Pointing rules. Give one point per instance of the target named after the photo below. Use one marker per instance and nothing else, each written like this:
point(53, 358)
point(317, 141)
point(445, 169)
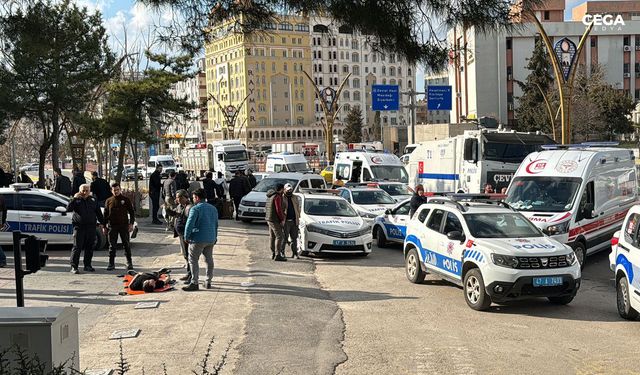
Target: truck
point(467, 163)
point(290, 147)
point(219, 156)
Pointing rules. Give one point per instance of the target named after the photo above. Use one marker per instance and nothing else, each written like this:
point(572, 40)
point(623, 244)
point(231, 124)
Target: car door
point(396, 222)
point(38, 216)
point(451, 249)
point(13, 218)
point(629, 254)
point(431, 238)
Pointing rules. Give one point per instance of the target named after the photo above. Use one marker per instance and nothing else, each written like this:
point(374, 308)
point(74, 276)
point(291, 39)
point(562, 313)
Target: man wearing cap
point(180, 214)
point(275, 217)
point(119, 216)
point(292, 219)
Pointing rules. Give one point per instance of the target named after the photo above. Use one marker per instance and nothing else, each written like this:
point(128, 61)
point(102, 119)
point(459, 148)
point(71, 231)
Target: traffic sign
point(385, 98)
point(439, 98)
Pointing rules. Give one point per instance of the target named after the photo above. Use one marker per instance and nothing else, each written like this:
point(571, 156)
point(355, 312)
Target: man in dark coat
point(24, 178)
point(3, 179)
point(120, 217)
point(182, 181)
point(238, 188)
point(78, 179)
point(86, 214)
point(61, 183)
point(155, 187)
point(100, 188)
point(209, 187)
point(252, 179)
point(417, 200)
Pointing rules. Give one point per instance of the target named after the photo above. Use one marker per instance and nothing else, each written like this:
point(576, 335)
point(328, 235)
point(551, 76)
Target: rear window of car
point(9, 200)
point(631, 229)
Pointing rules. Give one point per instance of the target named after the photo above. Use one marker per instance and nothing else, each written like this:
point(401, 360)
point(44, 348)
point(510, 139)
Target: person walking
point(292, 219)
point(119, 216)
point(78, 179)
point(61, 183)
point(275, 217)
point(417, 200)
point(201, 233)
point(238, 188)
point(180, 215)
point(100, 189)
point(3, 228)
point(86, 214)
point(155, 186)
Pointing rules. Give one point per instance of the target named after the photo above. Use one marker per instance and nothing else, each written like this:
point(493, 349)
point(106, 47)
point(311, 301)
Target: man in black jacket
point(86, 214)
point(238, 188)
point(209, 188)
point(417, 200)
point(155, 186)
point(100, 188)
point(78, 179)
point(61, 183)
point(252, 179)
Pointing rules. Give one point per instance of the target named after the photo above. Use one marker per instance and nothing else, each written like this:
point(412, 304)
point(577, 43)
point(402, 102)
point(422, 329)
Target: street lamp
point(329, 102)
point(230, 113)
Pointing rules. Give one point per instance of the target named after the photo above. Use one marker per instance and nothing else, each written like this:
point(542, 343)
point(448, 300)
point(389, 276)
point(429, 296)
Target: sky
point(138, 20)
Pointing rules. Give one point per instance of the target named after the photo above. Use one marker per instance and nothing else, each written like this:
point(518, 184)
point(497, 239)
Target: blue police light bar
point(581, 145)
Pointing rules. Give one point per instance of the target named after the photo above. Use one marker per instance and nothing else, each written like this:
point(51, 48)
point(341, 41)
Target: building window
point(355, 57)
point(284, 53)
point(509, 43)
point(300, 121)
point(594, 41)
point(356, 70)
point(392, 71)
point(637, 94)
point(384, 69)
point(285, 26)
point(626, 40)
point(356, 95)
point(625, 68)
point(345, 95)
point(345, 69)
point(285, 68)
point(299, 107)
point(355, 83)
point(546, 15)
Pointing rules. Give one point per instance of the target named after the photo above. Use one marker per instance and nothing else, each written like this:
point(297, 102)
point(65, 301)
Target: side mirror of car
point(61, 210)
point(387, 212)
point(587, 211)
point(455, 236)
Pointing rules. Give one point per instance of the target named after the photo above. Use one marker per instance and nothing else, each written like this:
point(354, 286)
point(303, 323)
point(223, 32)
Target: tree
point(376, 129)
point(353, 128)
point(409, 28)
point(532, 112)
point(616, 108)
point(55, 54)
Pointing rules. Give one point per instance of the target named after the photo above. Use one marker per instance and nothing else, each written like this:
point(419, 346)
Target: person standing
point(119, 216)
point(292, 219)
point(3, 179)
point(61, 183)
point(182, 180)
point(86, 214)
point(238, 188)
point(78, 179)
point(155, 186)
point(201, 233)
point(180, 215)
point(24, 178)
point(252, 179)
point(3, 223)
point(222, 188)
point(100, 188)
point(169, 194)
point(417, 200)
point(209, 188)
point(274, 215)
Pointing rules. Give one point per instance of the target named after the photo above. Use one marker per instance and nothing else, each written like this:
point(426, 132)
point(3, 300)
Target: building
point(484, 68)
point(337, 51)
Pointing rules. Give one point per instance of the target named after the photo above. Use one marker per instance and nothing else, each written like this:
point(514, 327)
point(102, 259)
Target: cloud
point(142, 17)
point(94, 5)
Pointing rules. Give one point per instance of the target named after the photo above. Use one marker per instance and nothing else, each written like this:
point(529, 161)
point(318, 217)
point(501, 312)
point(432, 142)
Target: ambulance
point(363, 166)
point(577, 194)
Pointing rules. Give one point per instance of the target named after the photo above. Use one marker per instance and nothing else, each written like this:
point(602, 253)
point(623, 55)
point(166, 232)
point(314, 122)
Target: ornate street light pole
point(230, 113)
point(329, 99)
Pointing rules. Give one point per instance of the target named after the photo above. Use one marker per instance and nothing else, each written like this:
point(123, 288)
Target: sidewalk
point(177, 332)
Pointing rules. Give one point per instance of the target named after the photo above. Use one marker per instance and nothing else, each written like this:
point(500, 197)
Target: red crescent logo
point(536, 166)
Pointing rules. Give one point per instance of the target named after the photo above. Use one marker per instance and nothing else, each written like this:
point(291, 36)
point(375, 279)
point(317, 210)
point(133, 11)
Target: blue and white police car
point(368, 201)
point(392, 225)
point(42, 213)
point(625, 262)
point(491, 250)
point(328, 224)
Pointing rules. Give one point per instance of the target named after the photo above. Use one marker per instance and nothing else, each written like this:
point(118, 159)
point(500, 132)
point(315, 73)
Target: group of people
point(283, 217)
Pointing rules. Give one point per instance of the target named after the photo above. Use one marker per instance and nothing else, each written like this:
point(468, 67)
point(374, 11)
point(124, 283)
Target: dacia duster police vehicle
point(493, 251)
point(625, 263)
point(392, 225)
point(328, 224)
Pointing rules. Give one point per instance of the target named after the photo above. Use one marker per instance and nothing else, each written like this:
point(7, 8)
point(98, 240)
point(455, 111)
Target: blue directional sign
point(385, 98)
point(439, 98)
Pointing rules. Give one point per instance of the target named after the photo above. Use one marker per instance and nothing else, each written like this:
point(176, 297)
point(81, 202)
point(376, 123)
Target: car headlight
point(556, 229)
point(317, 229)
point(367, 215)
point(504, 260)
point(571, 258)
point(365, 230)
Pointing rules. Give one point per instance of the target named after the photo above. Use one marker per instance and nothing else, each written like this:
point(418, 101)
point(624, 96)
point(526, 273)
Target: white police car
point(625, 262)
point(42, 213)
point(392, 225)
point(328, 224)
point(397, 190)
point(493, 251)
point(369, 202)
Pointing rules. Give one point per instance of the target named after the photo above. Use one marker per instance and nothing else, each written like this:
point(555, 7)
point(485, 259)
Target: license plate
point(547, 281)
point(255, 210)
point(344, 243)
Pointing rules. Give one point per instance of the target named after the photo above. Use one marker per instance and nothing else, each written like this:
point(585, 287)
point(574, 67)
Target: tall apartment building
point(261, 75)
point(338, 50)
point(192, 129)
point(484, 68)
point(437, 116)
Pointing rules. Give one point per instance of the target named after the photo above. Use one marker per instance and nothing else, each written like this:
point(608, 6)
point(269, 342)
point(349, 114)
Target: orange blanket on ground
point(163, 277)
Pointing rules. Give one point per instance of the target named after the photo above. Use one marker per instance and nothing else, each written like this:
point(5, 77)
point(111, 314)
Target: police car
point(42, 213)
point(392, 225)
point(328, 224)
point(368, 201)
point(491, 250)
point(397, 190)
point(625, 262)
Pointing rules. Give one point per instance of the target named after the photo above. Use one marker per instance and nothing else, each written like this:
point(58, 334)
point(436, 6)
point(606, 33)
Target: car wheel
point(414, 272)
point(474, 291)
point(564, 300)
point(381, 238)
point(247, 220)
point(624, 300)
point(581, 253)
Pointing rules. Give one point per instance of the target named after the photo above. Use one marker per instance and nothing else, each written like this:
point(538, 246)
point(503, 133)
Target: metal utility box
point(50, 333)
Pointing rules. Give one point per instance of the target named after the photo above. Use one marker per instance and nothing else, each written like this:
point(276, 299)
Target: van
point(576, 194)
point(287, 163)
point(363, 166)
point(166, 161)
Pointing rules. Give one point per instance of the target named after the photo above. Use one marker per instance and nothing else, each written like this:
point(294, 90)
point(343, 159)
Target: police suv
point(493, 251)
point(42, 213)
point(625, 262)
point(392, 225)
point(328, 224)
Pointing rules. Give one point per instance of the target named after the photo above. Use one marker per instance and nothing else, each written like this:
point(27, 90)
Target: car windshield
point(508, 152)
point(328, 207)
point(296, 167)
point(501, 225)
point(235, 156)
point(396, 189)
point(543, 194)
point(390, 172)
point(371, 197)
point(167, 163)
point(270, 183)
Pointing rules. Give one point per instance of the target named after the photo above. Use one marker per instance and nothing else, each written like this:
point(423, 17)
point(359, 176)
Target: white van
point(167, 162)
point(578, 195)
point(362, 166)
point(286, 162)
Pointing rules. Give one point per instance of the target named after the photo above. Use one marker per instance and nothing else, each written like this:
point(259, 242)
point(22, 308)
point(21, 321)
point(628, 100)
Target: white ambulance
point(577, 194)
point(363, 166)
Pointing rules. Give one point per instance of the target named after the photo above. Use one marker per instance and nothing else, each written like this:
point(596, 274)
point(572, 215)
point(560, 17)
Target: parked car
point(392, 225)
point(625, 263)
